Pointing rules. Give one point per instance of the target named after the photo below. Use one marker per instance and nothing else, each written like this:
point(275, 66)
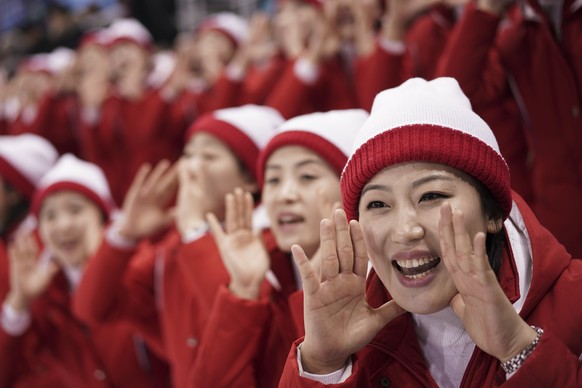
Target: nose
point(407, 228)
point(64, 222)
point(289, 191)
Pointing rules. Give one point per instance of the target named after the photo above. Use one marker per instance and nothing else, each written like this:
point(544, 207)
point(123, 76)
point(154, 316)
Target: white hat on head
point(60, 59)
point(430, 121)
point(24, 159)
point(245, 130)
point(233, 26)
point(129, 30)
point(329, 134)
point(71, 173)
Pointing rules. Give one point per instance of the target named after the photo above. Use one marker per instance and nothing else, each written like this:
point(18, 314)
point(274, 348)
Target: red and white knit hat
point(428, 121)
point(129, 30)
point(71, 173)
point(24, 159)
point(234, 27)
point(245, 130)
point(329, 134)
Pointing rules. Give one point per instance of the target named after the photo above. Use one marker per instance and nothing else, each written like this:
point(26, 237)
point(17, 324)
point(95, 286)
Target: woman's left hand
point(487, 314)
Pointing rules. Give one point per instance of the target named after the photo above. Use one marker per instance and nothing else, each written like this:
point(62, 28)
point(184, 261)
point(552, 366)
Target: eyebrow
point(297, 165)
point(415, 184)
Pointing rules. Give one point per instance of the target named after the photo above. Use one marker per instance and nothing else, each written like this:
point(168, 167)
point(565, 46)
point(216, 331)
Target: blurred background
point(36, 26)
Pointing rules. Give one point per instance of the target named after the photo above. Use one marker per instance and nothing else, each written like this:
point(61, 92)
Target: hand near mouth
point(241, 248)
point(338, 320)
point(487, 314)
point(28, 277)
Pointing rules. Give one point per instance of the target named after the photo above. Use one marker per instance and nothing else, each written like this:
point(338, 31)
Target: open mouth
point(417, 268)
point(290, 219)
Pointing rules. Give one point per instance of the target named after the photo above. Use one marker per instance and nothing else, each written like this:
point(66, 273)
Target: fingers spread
point(360, 251)
point(308, 277)
point(329, 259)
point(345, 250)
point(215, 227)
point(447, 238)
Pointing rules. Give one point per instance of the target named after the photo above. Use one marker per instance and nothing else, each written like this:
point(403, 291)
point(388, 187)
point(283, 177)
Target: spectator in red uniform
point(72, 204)
point(461, 266)
point(258, 310)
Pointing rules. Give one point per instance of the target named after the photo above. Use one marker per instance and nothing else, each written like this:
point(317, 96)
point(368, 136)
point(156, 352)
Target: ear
point(494, 225)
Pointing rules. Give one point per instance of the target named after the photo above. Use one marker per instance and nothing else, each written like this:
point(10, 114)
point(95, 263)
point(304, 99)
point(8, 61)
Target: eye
point(208, 157)
point(271, 181)
point(308, 177)
point(75, 209)
point(432, 196)
point(376, 205)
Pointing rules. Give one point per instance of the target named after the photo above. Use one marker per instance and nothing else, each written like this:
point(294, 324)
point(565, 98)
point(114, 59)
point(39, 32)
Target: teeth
point(414, 263)
point(421, 275)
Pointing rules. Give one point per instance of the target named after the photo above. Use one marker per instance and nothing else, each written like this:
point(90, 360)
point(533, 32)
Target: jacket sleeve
point(551, 364)
point(230, 342)
point(291, 377)
point(119, 285)
point(291, 96)
point(382, 69)
point(471, 58)
point(11, 355)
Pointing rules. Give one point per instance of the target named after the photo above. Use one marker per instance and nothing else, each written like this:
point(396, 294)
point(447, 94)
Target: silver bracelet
point(516, 361)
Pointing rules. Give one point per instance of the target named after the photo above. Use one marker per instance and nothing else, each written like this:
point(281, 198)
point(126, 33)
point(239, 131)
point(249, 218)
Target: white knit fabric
point(31, 155)
point(228, 23)
point(417, 101)
point(130, 29)
point(71, 169)
point(259, 123)
point(60, 59)
point(337, 126)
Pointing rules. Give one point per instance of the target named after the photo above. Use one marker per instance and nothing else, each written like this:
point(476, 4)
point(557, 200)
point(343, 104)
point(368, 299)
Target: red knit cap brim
point(240, 144)
point(16, 179)
point(323, 148)
point(426, 143)
point(42, 194)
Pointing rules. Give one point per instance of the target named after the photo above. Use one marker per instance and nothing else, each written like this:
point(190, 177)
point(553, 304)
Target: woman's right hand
point(338, 320)
point(241, 248)
point(28, 278)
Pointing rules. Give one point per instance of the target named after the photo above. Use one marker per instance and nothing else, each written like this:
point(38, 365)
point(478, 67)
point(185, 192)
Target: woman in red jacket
point(72, 204)
point(467, 289)
point(165, 289)
point(299, 170)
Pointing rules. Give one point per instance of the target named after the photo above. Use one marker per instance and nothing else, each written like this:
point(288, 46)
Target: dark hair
point(16, 212)
point(495, 242)
point(247, 173)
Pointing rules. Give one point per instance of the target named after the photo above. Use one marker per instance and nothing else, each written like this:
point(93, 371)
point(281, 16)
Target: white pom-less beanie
point(234, 27)
point(245, 130)
point(329, 134)
point(24, 159)
point(430, 121)
point(71, 173)
point(129, 30)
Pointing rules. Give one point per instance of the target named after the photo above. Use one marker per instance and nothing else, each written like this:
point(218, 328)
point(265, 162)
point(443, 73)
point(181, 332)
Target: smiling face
point(399, 211)
point(294, 178)
point(71, 227)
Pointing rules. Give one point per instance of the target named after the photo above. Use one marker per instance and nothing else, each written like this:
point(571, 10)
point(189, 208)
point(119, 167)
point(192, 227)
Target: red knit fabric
point(428, 143)
point(242, 146)
point(40, 195)
point(15, 178)
point(329, 152)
